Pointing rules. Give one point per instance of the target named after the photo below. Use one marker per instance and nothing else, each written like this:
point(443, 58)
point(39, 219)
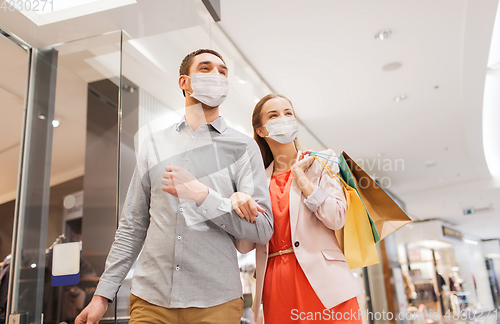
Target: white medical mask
point(283, 130)
point(209, 88)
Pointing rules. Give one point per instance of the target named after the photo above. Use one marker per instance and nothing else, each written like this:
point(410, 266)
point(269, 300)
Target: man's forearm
point(220, 211)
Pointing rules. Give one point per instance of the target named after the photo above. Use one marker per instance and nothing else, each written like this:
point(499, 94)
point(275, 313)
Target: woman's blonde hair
point(265, 150)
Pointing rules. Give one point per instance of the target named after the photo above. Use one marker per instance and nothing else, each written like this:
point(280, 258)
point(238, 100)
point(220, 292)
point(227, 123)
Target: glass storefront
point(14, 67)
point(445, 272)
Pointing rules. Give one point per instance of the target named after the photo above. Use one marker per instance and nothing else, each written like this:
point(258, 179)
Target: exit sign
point(469, 211)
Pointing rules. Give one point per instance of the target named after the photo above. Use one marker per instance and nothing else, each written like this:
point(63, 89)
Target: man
point(178, 206)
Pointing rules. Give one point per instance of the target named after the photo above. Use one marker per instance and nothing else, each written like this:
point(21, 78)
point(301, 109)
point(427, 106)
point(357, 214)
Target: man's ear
point(183, 82)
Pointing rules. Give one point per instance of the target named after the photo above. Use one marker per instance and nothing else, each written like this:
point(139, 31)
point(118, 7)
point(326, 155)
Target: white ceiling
point(324, 57)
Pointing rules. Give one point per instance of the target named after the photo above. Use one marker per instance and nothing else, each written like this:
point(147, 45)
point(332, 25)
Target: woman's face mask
point(209, 88)
point(283, 130)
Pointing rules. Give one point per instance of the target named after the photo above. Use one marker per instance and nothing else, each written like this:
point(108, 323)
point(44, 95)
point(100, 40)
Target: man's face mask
point(209, 88)
point(283, 130)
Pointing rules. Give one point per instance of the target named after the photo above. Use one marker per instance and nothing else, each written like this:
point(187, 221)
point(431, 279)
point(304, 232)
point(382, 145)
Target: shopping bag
point(385, 215)
point(355, 238)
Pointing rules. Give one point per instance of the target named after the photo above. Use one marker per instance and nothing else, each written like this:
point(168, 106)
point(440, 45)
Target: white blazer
point(315, 245)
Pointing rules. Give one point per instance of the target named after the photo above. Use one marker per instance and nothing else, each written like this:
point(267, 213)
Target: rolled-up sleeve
point(315, 199)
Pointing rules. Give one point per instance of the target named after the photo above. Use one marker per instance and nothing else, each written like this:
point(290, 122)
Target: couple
point(199, 190)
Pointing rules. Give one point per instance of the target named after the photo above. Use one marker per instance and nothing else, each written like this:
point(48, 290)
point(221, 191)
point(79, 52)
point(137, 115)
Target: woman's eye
point(289, 114)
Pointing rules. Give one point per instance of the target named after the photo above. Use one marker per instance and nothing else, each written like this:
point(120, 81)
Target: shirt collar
point(219, 124)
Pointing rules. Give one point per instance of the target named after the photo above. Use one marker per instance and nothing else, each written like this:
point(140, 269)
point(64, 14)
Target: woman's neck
point(284, 155)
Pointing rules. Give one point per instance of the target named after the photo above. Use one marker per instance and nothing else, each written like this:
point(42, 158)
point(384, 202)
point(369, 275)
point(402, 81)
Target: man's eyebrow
point(222, 66)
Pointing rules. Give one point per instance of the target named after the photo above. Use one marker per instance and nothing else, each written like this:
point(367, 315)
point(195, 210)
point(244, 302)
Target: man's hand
point(181, 183)
point(245, 206)
point(94, 311)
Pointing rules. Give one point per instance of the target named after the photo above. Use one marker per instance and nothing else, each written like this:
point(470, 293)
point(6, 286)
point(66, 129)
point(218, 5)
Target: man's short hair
point(188, 61)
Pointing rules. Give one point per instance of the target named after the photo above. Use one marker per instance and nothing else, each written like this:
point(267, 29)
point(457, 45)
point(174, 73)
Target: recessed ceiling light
point(41, 116)
point(242, 81)
point(429, 163)
point(56, 123)
point(383, 34)
point(400, 98)
point(391, 66)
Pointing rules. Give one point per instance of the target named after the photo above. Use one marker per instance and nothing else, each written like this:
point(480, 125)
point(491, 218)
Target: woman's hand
point(302, 154)
point(245, 206)
point(305, 185)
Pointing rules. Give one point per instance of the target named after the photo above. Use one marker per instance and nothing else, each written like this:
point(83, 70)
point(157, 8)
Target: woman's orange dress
point(287, 296)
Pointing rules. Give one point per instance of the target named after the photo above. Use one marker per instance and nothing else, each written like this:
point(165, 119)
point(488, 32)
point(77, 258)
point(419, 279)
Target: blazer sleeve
point(329, 195)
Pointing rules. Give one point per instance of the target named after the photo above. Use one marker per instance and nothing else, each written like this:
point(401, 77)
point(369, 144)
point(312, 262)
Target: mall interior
point(409, 89)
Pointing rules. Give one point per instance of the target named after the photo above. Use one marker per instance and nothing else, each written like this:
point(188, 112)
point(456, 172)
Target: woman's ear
point(260, 132)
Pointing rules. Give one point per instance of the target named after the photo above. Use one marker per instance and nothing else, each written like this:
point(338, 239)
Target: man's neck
point(198, 114)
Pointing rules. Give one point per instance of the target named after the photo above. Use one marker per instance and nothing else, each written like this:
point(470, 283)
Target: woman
point(302, 275)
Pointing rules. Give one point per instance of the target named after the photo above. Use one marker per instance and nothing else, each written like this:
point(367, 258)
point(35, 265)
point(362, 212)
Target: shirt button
point(204, 211)
point(179, 237)
point(297, 243)
point(192, 137)
point(223, 226)
point(177, 268)
point(181, 209)
point(187, 159)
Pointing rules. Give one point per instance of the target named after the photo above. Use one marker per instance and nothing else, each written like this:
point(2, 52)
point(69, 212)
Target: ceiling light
point(491, 102)
point(494, 67)
point(429, 163)
point(391, 66)
point(471, 242)
point(242, 81)
point(383, 34)
point(56, 123)
point(400, 98)
point(431, 244)
point(55, 11)
point(41, 116)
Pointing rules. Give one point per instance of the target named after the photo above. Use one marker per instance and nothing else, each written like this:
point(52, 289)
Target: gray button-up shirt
point(189, 258)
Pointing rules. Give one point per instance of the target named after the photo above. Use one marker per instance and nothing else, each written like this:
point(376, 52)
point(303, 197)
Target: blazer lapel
point(294, 203)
